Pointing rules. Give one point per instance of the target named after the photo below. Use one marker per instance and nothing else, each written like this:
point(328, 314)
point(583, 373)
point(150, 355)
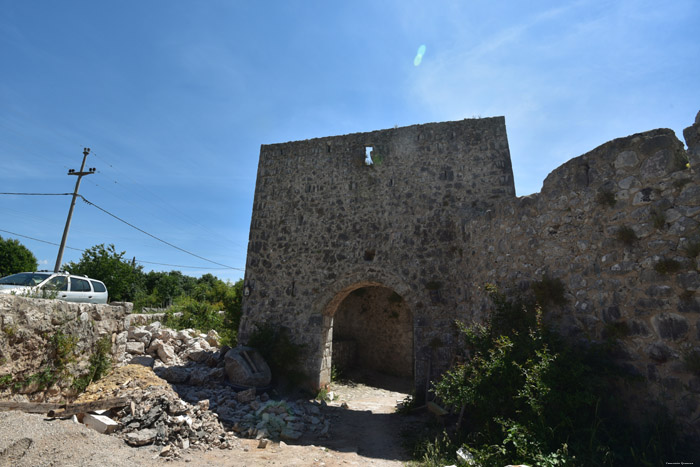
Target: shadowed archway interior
point(373, 330)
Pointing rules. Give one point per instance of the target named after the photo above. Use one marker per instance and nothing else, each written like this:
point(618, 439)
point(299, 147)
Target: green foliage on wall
point(626, 235)
point(530, 398)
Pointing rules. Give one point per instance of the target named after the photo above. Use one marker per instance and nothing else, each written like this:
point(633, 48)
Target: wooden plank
point(29, 407)
point(83, 407)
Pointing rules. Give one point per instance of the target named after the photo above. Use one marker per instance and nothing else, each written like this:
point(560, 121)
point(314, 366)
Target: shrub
point(605, 198)
point(667, 266)
point(626, 235)
point(281, 354)
point(533, 399)
point(100, 363)
point(692, 248)
point(658, 218)
point(549, 291)
point(198, 315)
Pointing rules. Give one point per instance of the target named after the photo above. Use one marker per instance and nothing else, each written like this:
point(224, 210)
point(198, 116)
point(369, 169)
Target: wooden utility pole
point(80, 174)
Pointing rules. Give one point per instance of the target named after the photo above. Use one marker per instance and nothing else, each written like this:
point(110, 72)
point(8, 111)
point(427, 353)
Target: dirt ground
point(365, 430)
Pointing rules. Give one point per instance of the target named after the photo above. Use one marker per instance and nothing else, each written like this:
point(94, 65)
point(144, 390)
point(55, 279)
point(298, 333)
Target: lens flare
point(419, 56)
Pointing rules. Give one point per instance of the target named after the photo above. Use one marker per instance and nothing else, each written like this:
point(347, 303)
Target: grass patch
point(5, 381)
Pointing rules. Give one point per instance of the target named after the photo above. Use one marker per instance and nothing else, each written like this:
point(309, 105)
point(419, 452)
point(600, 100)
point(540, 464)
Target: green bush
point(281, 354)
point(626, 235)
point(692, 248)
point(100, 363)
point(658, 218)
point(667, 266)
point(202, 316)
point(549, 291)
point(605, 198)
point(530, 398)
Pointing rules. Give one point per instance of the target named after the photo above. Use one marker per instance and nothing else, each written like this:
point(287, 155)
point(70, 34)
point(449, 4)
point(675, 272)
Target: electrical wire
point(154, 237)
point(180, 266)
point(129, 224)
point(39, 240)
point(138, 260)
point(38, 194)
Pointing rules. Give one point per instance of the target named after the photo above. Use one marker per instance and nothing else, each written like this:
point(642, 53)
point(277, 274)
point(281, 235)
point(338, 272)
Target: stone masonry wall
point(436, 218)
point(28, 324)
point(615, 284)
point(325, 224)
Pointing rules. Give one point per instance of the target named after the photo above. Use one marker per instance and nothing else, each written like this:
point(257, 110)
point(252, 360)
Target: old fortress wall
point(374, 263)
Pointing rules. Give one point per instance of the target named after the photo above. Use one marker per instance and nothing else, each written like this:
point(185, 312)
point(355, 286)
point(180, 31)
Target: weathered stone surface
point(436, 218)
point(670, 325)
point(166, 353)
point(173, 374)
point(246, 367)
point(28, 324)
point(659, 352)
point(142, 437)
point(135, 347)
point(144, 360)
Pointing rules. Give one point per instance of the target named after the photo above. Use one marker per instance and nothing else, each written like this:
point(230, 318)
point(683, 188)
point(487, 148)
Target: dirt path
point(365, 430)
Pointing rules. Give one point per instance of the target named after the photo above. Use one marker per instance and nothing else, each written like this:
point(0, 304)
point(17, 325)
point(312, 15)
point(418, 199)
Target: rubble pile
point(181, 397)
point(156, 414)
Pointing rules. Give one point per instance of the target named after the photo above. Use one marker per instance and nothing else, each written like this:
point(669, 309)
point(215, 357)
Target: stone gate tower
point(357, 242)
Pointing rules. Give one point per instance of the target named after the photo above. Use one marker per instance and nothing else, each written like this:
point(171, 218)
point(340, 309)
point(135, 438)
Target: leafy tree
point(15, 257)
point(123, 280)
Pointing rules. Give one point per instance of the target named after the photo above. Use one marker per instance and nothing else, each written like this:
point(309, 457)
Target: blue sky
point(175, 97)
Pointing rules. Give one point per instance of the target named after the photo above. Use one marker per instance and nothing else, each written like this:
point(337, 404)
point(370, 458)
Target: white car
point(60, 285)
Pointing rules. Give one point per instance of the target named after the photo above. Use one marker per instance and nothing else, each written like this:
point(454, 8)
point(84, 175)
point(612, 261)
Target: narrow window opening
point(368, 155)
point(369, 255)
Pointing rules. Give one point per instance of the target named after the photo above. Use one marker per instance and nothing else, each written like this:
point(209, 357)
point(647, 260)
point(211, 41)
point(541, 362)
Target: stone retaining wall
point(27, 326)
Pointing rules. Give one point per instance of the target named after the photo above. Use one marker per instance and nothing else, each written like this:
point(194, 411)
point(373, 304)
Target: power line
point(138, 260)
point(38, 194)
point(165, 203)
point(181, 266)
point(153, 236)
point(38, 240)
point(130, 225)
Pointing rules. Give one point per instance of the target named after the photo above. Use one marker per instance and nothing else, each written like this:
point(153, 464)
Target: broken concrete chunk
point(100, 423)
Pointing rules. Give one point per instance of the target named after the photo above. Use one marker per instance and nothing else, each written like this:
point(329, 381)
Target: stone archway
point(373, 329)
point(368, 325)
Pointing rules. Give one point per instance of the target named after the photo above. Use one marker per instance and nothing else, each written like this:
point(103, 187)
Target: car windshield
point(25, 278)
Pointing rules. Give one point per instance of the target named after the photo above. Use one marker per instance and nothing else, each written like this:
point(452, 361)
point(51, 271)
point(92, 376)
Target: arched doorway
point(370, 331)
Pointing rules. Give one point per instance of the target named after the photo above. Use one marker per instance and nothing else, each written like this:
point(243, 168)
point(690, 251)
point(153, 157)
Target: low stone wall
point(28, 325)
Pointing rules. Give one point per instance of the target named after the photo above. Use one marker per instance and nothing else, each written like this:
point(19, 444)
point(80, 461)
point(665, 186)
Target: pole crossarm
point(80, 174)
